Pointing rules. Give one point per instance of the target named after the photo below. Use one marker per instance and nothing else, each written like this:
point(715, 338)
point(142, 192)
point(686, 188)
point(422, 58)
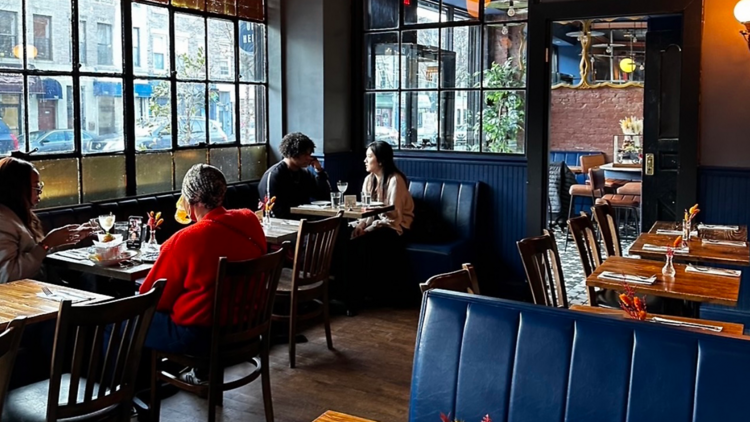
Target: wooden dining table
point(738, 235)
point(353, 213)
point(698, 251)
point(331, 416)
point(694, 287)
point(281, 230)
point(727, 327)
point(22, 298)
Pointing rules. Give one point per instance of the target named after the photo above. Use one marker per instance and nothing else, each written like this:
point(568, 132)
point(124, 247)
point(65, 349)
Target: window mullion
point(128, 97)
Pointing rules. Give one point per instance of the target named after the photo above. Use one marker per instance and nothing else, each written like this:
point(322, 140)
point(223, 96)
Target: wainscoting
point(724, 197)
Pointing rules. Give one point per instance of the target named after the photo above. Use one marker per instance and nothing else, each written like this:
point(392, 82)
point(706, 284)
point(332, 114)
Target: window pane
point(152, 23)
point(185, 159)
point(50, 126)
point(48, 30)
point(225, 7)
point(252, 114)
point(11, 112)
point(463, 10)
point(153, 173)
point(381, 117)
point(190, 4)
point(102, 116)
point(382, 56)
point(503, 124)
point(252, 52)
point(228, 161)
point(421, 11)
point(505, 59)
point(504, 11)
point(419, 58)
point(153, 114)
point(221, 112)
point(250, 9)
point(381, 14)
point(461, 59)
point(253, 162)
point(459, 112)
point(10, 34)
point(191, 113)
point(103, 177)
point(60, 179)
point(102, 34)
point(190, 48)
point(419, 129)
point(220, 50)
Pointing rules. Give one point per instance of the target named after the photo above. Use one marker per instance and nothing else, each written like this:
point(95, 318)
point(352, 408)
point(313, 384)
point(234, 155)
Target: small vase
point(151, 245)
point(668, 269)
point(685, 233)
point(267, 220)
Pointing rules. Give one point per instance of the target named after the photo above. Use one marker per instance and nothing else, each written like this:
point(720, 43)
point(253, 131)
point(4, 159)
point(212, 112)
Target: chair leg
point(327, 319)
point(570, 213)
point(154, 405)
point(215, 392)
point(265, 379)
point(292, 330)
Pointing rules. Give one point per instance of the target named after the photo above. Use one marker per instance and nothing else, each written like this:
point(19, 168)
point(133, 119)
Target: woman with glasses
point(23, 245)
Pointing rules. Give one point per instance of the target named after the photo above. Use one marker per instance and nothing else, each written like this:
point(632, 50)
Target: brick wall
point(586, 119)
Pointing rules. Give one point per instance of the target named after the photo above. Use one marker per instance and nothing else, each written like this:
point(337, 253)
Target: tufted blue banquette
point(444, 226)
point(520, 362)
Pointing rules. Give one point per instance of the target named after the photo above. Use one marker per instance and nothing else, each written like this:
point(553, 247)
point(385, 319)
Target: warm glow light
point(742, 11)
point(30, 51)
point(472, 6)
point(627, 65)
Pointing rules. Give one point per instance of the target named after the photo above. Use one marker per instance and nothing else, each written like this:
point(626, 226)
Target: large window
point(445, 75)
point(103, 123)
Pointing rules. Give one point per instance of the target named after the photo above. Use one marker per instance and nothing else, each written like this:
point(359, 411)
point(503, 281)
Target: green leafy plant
point(503, 116)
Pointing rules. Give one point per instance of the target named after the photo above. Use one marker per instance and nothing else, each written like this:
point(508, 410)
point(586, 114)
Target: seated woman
point(189, 261)
point(23, 246)
point(379, 242)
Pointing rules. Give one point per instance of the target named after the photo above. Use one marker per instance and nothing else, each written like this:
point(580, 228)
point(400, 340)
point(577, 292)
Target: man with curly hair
point(290, 181)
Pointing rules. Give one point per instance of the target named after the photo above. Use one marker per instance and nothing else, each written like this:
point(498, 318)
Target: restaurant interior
point(512, 210)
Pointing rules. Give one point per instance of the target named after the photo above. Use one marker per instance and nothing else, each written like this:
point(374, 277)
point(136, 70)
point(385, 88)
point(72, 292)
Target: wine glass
point(342, 186)
point(107, 222)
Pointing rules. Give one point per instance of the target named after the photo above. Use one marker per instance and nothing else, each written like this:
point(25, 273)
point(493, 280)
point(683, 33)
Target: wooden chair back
point(243, 301)
point(604, 215)
point(102, 376)
point(10, 340)
point(541, 261)
point(314, 250)
point(592, 161)
point(463, 280)
point(598, 182)
point(588, 248)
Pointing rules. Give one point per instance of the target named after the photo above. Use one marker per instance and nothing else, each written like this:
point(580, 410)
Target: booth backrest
point(571, 158)
point(519, 362)
point(453, 202)
point(239, 195)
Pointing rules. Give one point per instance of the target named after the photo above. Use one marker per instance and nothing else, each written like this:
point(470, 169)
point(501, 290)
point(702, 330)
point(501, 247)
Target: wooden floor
point(368, 375)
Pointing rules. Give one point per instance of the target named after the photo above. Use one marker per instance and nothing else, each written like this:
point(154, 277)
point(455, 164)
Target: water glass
point(335, 200)
point(121, 227)
point(366, 199)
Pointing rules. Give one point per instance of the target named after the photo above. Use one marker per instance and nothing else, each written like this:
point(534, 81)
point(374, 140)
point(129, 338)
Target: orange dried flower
point(638, 303)
point(677, 242)
point(642, 315)
point(626, 299)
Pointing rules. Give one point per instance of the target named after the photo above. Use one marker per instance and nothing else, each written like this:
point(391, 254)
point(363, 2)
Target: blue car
point(8, 141)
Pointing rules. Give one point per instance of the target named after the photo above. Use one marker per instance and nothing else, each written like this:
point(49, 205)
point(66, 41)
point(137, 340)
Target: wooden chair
point(605, 218)
point(10, 341)
point(592, 161)
point(464, 280)
point(307, 281)
point(241, 332)
point(541, 261)
point(582, 230)
point(107, 340)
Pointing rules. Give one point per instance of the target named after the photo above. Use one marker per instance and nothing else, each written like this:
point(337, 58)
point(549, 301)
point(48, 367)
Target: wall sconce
point(742, 14)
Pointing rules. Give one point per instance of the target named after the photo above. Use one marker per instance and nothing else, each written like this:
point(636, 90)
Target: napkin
point(629, 278)
point(675, 232)
point(717, 227)
point(724, 242)
point(654, 248)
point(315, 207)
point(714, 271)
point(73, 254)
point(61, 296)
point(676, 323)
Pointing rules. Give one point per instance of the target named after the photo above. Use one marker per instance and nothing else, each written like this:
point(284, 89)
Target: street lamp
point(31, 51)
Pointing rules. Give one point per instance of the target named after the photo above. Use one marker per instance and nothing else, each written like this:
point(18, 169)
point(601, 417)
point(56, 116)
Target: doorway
point(47, 115)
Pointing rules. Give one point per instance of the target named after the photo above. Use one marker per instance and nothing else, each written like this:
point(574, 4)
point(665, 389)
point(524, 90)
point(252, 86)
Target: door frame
point(541, 16)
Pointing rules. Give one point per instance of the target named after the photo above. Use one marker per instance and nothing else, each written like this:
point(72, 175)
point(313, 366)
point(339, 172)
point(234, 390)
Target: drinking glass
point(366, 198)
point(107, 221)
point(335, 200)
point(342, 186)
point(121, 227)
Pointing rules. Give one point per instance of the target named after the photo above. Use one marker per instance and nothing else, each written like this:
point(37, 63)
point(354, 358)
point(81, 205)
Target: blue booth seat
point(572, 159)
point(443, 232)
point(519, 362)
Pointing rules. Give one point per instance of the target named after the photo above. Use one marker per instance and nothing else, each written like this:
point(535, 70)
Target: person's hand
point(316, 165)
point(87, 229)
point(66, 235)
point(358, 231)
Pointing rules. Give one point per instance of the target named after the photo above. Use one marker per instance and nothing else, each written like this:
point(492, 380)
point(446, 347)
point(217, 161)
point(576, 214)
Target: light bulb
point(742, 11)
point(504, 31)
point(511, 12)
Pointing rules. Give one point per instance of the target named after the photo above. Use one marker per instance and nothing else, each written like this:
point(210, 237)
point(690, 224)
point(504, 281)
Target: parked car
point(8, 141)
point(62, 140)
point(386, 134)
point(158, 135)
point(106, 143)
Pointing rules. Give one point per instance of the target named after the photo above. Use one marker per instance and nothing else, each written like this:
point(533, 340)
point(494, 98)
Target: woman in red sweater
point(189, 261)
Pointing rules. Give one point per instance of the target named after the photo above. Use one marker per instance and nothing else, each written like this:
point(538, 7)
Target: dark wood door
point(47, 115)
point(662, 168)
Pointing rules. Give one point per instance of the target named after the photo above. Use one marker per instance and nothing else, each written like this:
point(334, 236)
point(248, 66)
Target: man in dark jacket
point(290, 181)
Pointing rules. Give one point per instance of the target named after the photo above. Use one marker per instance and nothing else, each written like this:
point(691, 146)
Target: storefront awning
point(52, 90)
point(13, 84)
point(143, 90)
point(107, 89)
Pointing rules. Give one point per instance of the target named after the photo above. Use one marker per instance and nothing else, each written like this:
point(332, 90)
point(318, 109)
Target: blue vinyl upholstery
point(454, 203)
point(571, 158)
point(519, 362)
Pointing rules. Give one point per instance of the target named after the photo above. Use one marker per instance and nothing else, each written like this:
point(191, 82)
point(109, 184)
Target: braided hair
point(204, 184)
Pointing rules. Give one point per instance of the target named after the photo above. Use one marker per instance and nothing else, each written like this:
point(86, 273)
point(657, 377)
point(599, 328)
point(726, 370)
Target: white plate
point(376, 204)
point(320, 203)
point(126, 255)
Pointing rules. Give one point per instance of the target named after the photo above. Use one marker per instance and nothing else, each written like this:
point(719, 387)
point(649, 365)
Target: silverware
point(709, 269)
point(47, 291)
point(64, 295)
point(687, 324)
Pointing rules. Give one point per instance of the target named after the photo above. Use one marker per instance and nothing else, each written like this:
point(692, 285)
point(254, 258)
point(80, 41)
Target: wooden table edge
point(593, 281)
point(331, 416)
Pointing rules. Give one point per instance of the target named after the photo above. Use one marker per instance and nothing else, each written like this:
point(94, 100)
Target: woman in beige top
point(23, 245)
point(378, 267)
